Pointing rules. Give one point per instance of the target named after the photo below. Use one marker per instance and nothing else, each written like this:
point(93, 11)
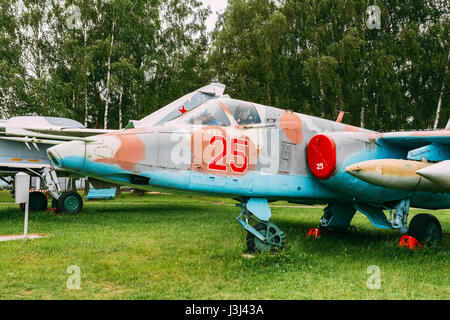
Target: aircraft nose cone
point(68, 155)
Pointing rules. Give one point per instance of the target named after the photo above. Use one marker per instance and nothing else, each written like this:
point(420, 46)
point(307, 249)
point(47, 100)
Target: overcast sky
point(216, 5)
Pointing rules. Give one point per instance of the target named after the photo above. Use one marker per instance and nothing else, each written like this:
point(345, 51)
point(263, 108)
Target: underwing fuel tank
point(394, 174)
point(439, 173)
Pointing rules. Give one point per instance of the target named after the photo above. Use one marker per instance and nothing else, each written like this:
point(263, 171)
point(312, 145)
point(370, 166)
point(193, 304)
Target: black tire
point(38, 201)
point(426, 228)
point(55, 205)
point(251, 237)
point(70, 202)
point(272, 229)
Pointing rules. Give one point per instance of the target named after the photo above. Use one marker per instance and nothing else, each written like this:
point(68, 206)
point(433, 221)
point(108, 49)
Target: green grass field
point(189, 246)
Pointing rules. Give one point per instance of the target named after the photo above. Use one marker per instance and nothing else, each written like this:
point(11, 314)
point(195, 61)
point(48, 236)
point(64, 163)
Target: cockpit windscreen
point(243, 112)
point(208, 114)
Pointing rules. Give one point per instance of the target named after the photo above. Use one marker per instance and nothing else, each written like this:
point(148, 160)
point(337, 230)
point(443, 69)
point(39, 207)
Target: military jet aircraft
point(24, 142)
point(259, 154)
point(23, 147)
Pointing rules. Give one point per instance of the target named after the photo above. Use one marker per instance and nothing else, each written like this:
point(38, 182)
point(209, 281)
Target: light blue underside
point(252, 185)
point(302, 189)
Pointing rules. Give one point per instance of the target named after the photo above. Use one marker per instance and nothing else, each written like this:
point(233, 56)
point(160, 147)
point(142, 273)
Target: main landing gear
point(424, 229)
point(63, 202)
point(38, 201)
point(264, 236)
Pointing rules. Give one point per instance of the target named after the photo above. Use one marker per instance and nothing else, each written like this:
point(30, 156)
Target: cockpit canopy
point(186, 103)
point(244, 113)
point(211, 114)
point(222, 112)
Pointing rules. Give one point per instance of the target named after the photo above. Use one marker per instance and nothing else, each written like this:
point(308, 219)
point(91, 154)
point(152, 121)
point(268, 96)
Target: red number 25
point(213, 164)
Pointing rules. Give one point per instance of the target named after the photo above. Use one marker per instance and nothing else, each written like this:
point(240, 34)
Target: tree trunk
point(438, 111)
point(120, 107)
point(108, 77)
point(86, 109)
point(73, 98)
point(362, 117)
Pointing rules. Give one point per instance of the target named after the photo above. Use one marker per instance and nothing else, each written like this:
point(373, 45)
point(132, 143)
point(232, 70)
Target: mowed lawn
point(189, 246)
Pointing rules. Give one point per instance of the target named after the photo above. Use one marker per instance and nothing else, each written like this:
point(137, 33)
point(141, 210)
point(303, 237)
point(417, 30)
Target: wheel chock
point(315, 232)
point(51, 211)
point(409, 242)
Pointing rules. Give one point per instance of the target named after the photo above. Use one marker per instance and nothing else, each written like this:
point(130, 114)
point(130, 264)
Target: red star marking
point(182, 110)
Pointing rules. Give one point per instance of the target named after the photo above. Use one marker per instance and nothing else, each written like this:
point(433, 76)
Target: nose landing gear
point(274, 238)
point(264, 236)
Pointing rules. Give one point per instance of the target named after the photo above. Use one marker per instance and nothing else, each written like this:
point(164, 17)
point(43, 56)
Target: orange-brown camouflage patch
point(131, 151)
point(292, 127)
point(349, 128)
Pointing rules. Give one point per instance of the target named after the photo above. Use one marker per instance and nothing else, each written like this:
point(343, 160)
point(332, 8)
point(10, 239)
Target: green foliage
point(125, 59)
point(130, 57)
point(320, 57)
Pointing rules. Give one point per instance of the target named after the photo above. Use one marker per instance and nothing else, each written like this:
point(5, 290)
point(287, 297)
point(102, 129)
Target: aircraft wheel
point(426, 228)
point(38, 201)
point(275, 238)
point(55, 205)
point(70, 202)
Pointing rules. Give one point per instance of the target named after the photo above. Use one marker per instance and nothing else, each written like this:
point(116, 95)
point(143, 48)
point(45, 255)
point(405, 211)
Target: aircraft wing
point(416, 139)
point(35, 126)
point(45, 130)
point(41, 138)
point(70, 132)
point(428, 156)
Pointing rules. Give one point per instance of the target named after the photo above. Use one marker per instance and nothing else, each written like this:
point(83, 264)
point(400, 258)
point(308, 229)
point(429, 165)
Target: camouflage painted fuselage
point(266, 157)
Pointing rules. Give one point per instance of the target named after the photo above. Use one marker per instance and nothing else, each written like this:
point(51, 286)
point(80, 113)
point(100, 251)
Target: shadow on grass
point(366, 243)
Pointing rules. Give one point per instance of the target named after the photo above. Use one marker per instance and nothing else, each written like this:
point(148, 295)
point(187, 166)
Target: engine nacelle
point(329, 153)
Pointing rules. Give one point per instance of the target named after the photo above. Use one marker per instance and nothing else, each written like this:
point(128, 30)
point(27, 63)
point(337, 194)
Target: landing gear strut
point(64, 202)
point(264, 236)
